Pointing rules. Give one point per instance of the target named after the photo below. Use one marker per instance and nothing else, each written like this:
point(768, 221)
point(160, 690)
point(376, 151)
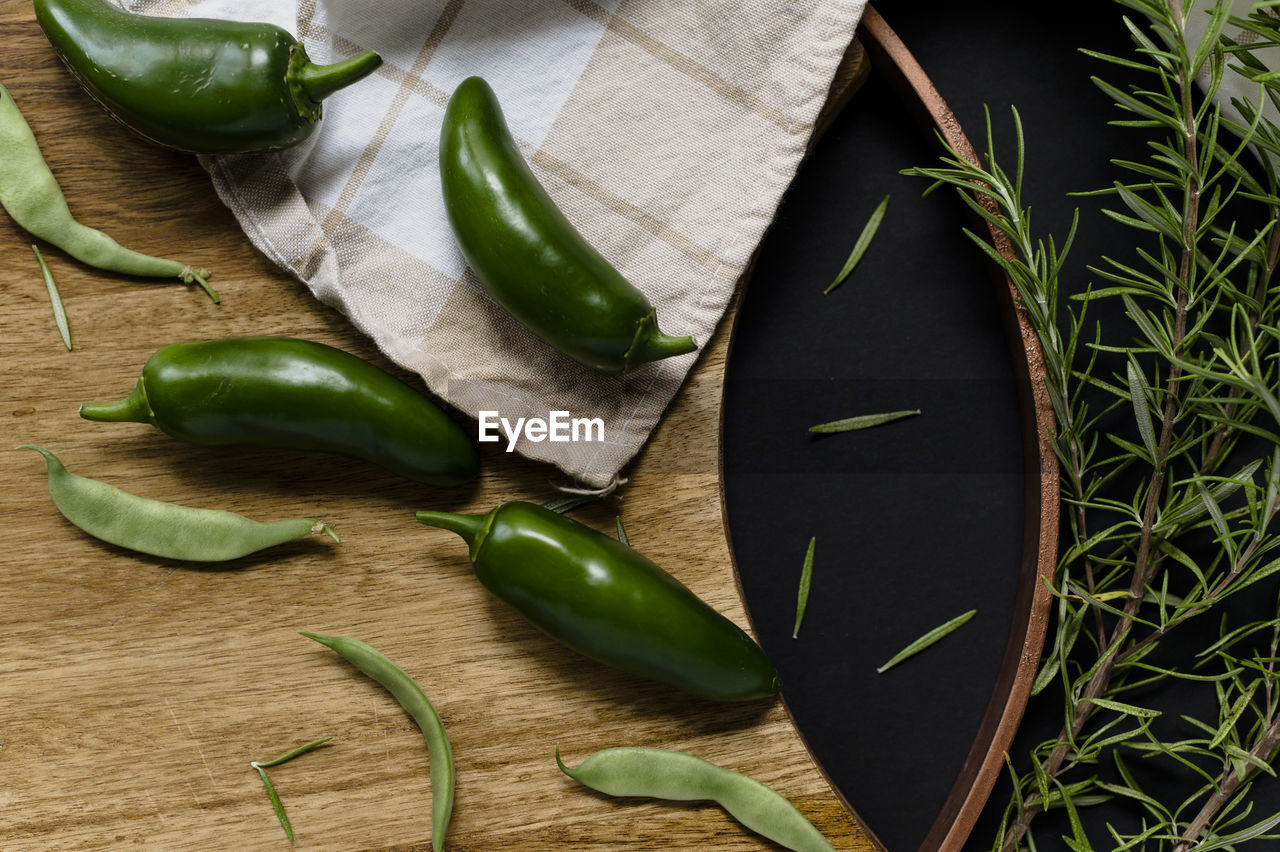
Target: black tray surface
point(920, 520)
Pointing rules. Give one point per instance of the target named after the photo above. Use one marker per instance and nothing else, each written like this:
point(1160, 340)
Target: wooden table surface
point(137, 690)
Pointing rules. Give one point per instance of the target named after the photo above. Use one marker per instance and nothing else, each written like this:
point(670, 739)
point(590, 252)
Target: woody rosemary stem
point(1082, 533)
point(1228, 783)
point(1101, 679)
point(1219, 588)
point(1097, 684)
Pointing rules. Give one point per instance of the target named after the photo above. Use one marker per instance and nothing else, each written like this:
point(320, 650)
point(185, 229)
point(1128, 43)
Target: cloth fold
point(666, 131)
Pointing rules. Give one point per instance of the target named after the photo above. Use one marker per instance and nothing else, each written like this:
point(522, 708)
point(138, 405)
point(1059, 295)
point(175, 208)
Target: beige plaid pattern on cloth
point(666, 130)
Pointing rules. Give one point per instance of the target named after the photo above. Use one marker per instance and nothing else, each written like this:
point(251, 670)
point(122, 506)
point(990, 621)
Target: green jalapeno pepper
point(288, 394)
point(605, 600)
point(528, 256)
point(196, 84)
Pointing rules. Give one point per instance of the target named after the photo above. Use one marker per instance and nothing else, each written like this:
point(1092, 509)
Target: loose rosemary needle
point(290, 755)
point(276, 804)
point(806, 577)
point(622, 533)
point(59, 312)
point(569, 502)
point(860, 246)
point(865, 421)
point(927, 639)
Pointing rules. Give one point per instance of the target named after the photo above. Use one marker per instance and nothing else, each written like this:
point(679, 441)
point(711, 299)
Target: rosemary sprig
point(1143, 452)
point(860, 245)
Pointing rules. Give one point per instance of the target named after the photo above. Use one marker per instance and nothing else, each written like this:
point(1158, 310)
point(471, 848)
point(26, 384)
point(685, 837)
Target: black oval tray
point(916, 521)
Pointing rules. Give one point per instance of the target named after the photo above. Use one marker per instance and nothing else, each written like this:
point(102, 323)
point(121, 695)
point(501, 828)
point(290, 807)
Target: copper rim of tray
point(986, 757)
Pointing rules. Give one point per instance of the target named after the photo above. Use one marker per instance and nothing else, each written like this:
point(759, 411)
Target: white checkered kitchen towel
point(666, 130)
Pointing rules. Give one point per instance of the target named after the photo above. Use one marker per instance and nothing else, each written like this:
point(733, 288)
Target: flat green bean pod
point(662, 774)
point(30, 194)
point(164, 529)
point(415, 702)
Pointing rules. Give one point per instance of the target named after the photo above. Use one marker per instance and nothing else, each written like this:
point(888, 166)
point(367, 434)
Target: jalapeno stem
point(132, 409)
point(655, 346)
point(321, 81)
point(472, 528)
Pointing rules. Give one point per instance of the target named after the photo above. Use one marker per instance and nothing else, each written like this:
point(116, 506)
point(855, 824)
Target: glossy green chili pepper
point(528, 256)
point(196, 84)
point(606, 601)
point(288, 394)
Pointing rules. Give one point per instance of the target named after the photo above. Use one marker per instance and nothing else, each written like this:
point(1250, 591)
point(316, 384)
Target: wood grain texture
point(136, 690)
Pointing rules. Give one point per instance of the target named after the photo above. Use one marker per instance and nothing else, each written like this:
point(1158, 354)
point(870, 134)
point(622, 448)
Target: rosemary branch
point(1141, 573)
point(1200, 276)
